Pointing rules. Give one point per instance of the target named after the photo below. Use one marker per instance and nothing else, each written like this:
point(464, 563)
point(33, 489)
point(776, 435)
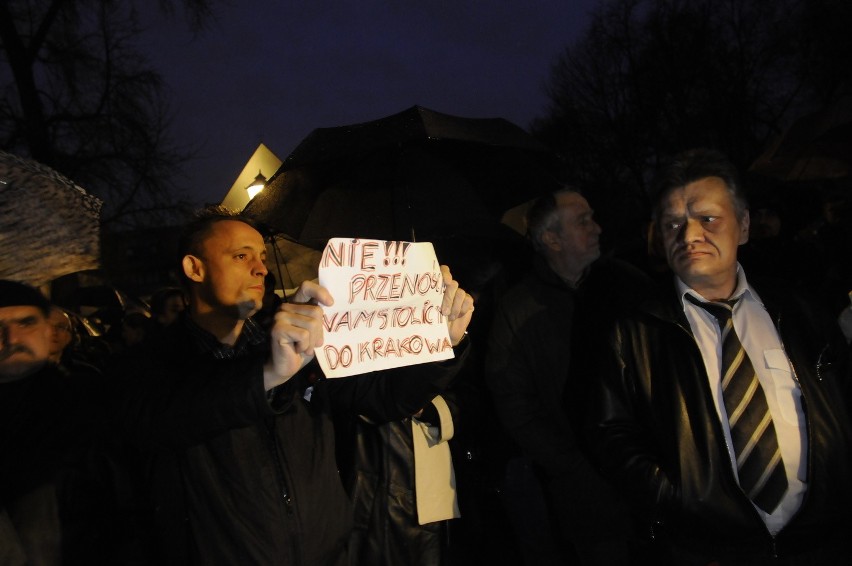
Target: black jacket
point(541, 341)
point(382, 485)
point(54, 504)
point(236, 476)
point(541, 337)
point(658, 436)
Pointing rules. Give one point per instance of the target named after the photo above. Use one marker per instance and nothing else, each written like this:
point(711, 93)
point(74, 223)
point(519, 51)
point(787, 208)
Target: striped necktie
point(759, 464)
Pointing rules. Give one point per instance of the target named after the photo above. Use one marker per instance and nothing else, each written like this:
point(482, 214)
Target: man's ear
point(745, 222)
point(193, 268)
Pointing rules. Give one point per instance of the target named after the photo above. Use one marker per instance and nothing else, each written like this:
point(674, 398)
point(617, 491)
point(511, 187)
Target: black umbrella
point(418, 175)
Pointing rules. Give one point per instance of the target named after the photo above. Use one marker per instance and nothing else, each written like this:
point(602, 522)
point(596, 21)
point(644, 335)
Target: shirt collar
point(251, 335)
point(742, 290)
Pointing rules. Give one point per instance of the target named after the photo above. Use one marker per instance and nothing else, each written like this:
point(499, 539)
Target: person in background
point(235, 429)
point(722, 408)
point(135, 327)
point(62, 333)
point(402, 482)
point(166, 306)
point(52, 507)
point(562, 511)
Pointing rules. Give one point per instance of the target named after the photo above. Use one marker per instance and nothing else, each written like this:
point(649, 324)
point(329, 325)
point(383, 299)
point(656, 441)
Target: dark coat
point(53, 498)
point(538, 348)
point(237, 476)
point(540, 345)
point(658, 436)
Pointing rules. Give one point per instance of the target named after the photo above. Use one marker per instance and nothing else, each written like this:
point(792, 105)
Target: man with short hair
point(722, 410)
point(49, 511)
point(239, 437)
point(558, 505)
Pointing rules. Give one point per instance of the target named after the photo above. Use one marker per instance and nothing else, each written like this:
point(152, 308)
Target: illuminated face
point(60, 333)
point(701, 233)
point(577, 238)
point(229, 270)
point(24, 341)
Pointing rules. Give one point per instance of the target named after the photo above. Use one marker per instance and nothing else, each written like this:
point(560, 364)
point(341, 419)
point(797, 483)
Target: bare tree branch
point(80, 98)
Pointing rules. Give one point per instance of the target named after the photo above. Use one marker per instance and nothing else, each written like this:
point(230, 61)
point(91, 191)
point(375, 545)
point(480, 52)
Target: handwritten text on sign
point(387, 309)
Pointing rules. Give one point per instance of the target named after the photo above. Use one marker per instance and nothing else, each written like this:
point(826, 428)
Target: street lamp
point(256, 186)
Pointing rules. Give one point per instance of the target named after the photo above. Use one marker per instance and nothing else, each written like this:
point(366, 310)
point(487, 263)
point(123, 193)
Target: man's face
point(576, 241)
point(171, 310)
point(230, 270)
point(24, 341)
point(60, 332)
point(701, 233)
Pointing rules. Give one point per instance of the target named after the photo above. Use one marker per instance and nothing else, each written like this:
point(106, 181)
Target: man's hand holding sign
point(296, 333)
point(393, 308)
point(457, 306)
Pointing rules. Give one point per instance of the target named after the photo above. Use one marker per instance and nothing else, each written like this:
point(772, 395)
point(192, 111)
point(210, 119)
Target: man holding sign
point(238, 437)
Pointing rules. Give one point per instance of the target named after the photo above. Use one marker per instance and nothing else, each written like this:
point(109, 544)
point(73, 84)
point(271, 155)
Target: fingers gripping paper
point(387, 306)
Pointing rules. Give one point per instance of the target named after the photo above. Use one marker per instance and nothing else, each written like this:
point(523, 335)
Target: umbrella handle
point(278, 267)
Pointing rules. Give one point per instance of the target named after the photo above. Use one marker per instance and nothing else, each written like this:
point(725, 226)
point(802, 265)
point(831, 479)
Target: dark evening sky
point(274, 71)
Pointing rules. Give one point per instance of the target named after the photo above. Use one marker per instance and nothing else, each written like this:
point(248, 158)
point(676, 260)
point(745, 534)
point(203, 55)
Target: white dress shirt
point(759, 337)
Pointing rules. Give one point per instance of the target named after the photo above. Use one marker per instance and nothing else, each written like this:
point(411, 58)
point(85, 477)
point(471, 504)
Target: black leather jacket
point(657, 434)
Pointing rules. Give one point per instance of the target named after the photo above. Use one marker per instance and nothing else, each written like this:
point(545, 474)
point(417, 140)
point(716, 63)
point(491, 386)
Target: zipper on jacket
point(279, 468)
point(820, 364)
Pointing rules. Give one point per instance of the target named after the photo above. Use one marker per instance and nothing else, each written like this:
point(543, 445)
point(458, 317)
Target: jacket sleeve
point(395, 393)
point(621, 428)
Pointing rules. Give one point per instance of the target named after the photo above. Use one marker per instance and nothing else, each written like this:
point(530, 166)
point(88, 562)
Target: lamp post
point(256, 186)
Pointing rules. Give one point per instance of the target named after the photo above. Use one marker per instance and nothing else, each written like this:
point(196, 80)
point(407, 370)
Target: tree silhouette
point(653, 77)
point(75, 94)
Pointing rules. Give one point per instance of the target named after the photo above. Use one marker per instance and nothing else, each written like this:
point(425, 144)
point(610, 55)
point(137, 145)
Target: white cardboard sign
point(387, 306)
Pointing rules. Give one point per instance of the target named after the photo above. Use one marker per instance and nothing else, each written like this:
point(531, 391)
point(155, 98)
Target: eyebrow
point(707, 210)
point(30, 318)
point(247, 247)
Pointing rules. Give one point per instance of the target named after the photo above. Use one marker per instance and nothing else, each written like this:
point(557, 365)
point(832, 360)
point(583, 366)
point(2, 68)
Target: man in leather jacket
point(660, 425)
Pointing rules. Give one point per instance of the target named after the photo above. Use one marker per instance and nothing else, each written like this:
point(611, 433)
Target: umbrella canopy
point(418, 175)
point(816, 146)
point(49, 226)
point(291, 262)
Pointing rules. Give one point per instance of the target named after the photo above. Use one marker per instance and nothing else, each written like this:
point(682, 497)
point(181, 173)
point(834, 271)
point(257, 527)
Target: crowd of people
point(594, 413)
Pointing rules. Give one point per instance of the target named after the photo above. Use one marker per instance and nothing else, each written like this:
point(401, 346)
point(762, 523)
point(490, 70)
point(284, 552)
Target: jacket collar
point(546, 274)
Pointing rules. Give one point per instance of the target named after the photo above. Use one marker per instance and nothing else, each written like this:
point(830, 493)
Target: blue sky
point(274, 71)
